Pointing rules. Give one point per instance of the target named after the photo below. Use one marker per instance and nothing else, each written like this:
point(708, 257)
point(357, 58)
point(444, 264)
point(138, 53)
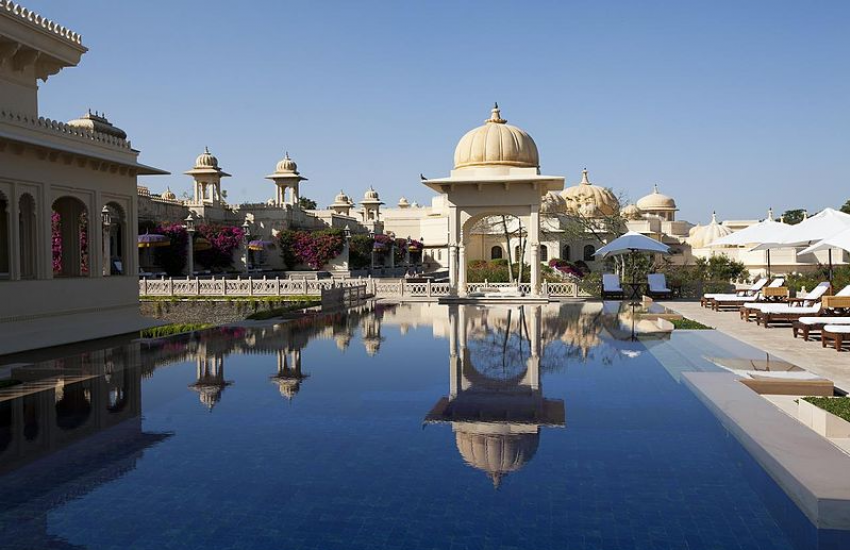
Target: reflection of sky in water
point(394, 438)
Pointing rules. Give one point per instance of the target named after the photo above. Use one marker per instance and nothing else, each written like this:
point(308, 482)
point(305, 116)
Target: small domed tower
point(403, 203)
point(342, 204)
point(286, 176)
point(371, 205)
point(207, 175)
point(659, 205)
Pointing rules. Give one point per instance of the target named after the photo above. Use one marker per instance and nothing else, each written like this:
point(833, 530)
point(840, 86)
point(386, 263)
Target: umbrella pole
point(768, 263)
point(830, 266)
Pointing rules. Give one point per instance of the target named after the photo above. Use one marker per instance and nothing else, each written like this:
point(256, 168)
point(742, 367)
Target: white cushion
point(827, 320)
point(784, 375)
point(841, 329)
point(611, 282)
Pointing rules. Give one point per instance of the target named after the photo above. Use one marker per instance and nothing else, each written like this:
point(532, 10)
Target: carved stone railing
point(36, 20)
point(62, 129)
point(386, 288)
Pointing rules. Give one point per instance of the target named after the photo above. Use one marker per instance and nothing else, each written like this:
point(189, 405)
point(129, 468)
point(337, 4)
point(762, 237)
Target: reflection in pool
point(388, 426)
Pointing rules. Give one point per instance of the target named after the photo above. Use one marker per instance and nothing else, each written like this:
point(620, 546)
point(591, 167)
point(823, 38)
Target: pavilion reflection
point(496, 405)
point(288, 376)
point(87, 406)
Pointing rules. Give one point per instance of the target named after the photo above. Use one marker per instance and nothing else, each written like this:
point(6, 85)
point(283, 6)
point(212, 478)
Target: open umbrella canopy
point(821, 226)
point(260, 244)
point(839, 240)
point(153, 240)
point(767, 231)
point(632, 242)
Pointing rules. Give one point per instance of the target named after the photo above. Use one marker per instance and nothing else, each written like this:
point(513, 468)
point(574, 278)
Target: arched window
point(589, 250)
point(5, 240)
point(496, 253)
point(567, 253)
point(70, 238)
point(27, 231)
point(544, 253)
point(113, 238)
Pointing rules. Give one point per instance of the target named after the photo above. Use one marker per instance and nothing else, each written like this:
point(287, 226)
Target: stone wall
point(204, 311)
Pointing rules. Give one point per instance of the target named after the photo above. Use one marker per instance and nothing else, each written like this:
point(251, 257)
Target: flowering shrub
point(172, 258)
point(224, 239)
point(382, 243)
point(567, 268)
point(360, 251)
point(311, 248)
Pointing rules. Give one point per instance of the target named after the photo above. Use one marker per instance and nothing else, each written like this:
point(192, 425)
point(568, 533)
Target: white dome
point(97, 122)
point(206, 160)
point(342, 198)
point(588, 199)
point(632, 212)
point(286, 164)
point(403, 203)
point(702, 236)
point(496, 144)
point(497, 454)
point(656, 202)
point(371, 195)
point(169, 194)
point(552, 203)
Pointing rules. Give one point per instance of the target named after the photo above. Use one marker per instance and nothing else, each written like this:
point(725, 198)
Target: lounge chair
point(752, 291)
point(730, 301)
point(796, 307)
point(805, 326)
point(838, 334)
point(808, 305)
point(611, 286)
point(657, 286)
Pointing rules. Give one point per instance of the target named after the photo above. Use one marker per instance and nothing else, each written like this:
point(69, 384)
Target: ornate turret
point(589, 200)
point(342, 204)
point(207, 175)
point(659, 205)
point(371, 205)
point(286, 177)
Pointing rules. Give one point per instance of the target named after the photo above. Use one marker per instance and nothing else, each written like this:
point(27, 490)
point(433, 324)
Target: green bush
point(172, 329)
point(841, 278)
point(688, 324)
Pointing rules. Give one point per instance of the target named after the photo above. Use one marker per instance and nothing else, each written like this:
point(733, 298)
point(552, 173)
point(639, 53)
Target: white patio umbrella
point(764, 232)
point(632, 243)
point(839, 240)
point(825, 224)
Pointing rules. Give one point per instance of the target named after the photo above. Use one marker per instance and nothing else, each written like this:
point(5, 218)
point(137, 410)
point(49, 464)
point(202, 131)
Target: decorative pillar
point(453, 268)
point(454, 371)
point(106, 221)
point(534, 240)
point(461, 277)
point(190, 245)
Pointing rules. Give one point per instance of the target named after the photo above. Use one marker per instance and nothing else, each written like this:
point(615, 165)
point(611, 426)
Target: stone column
point(453, 267)
point(461, 278)
point(534, 241)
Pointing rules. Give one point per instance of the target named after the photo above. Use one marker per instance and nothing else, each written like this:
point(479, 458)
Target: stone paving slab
point(778, 341)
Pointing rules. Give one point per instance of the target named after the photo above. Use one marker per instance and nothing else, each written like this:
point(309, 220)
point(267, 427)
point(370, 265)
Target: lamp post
point(246, 226)
point(190, 245)
point(106, 219)
point(422, 254)
point(407, 253)
point(372, 257)
point(347, 250)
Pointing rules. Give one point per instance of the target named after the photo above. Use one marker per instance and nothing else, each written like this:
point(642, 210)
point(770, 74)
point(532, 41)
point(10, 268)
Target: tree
point(846, 207)
point(793, 217)
point(307, 204)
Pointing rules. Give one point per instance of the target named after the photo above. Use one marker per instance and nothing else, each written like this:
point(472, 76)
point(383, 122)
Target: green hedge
point(839, 406)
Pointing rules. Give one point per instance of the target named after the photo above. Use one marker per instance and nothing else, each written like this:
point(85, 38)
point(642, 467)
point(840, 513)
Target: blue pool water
point(415, 426)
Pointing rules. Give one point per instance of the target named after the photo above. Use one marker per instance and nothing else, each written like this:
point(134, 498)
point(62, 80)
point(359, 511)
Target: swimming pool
point(389, 426)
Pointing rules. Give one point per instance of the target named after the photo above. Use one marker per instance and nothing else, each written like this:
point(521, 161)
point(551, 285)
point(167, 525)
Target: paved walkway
point(778, 341)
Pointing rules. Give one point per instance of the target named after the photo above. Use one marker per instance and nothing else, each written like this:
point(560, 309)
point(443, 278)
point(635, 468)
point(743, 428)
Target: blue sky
point(733, 106)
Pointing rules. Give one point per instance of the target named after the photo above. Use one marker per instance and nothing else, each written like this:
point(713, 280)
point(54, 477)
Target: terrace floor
point(778, 341)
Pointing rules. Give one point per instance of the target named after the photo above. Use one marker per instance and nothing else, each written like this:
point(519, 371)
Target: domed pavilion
point(496, 171)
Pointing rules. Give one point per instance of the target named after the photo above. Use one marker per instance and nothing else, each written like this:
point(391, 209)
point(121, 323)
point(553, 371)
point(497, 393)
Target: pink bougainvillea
point(172, 258)
point(311, 248)
point(224, 240)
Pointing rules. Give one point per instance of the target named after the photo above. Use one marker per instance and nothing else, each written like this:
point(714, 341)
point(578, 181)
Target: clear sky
point(733, 106)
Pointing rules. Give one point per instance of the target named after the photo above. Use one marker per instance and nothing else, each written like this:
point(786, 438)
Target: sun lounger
point(837, 334)
point(611, 286)
point(806, 303)
point(730, 301)
point(657, 286)
point(788, 383)
point(804, 326)
point(752, 291)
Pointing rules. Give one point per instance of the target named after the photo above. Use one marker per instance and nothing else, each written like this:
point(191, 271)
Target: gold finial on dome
point(714, 216)
point(770, 214)
point(584, 178)
point(496, 115)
